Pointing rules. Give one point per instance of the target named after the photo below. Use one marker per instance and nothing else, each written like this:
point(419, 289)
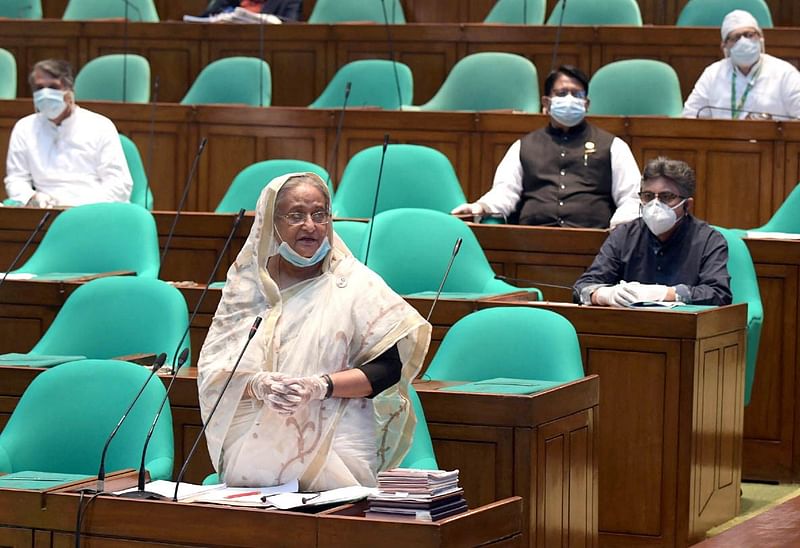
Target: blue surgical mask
point(50, 102)
point(292, 256)
point(568, 111)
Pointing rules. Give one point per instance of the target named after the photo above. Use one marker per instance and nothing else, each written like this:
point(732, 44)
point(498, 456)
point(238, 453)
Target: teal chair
point(489, 81)
point(8, 75)
point(509, 342)
point(744, 287)
point(21, 9)
point(140, 194)
point(373, 84)
point(118, 316)
point(420, 455)
point(340, 11)
point(786, 219)
point(232, 80)
point(517, 12)
point(246, 187)
point(65, 416)
point(137, 10)
point(98, 238)
point(410, 249)
point(413, 176)
point(101, 79)
point(636, 87)
point(710, 13)
point(352, 233)
point(597, 12)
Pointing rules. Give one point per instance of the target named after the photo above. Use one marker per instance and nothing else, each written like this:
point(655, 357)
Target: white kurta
point(775, 91)
point(78, 162)
point(506, 188)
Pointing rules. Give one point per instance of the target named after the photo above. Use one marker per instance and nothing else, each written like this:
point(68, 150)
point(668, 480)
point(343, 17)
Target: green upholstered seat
point(232, 80)
point(101, 79)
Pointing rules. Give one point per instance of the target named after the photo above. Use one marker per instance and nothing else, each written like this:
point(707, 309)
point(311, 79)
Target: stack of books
point(424, 495)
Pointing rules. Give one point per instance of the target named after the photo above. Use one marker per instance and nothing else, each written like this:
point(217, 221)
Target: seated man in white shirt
point(570, 173)
point(747, 83)
point(64, 155)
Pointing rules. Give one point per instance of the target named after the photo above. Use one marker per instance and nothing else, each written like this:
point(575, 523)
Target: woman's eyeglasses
point(294, 218)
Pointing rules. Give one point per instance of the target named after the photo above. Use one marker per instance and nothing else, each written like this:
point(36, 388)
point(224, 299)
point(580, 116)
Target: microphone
point(25, 246)
point(261, 58)
point(186, 187)
point(101, 472)
point(151, 138)
point(128, 4)
point(250, 336)
point(532, 283)
point(456, 248)
point(140, 493)
point(334, 155)
point(558, 35)
point(391, 52)
point(751, 115)
point(377, 190)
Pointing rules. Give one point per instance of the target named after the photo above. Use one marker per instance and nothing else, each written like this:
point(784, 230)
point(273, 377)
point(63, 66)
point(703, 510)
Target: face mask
point(50, 102)
point(659, 217)
point(292, 256)
point(745, 52)
point(568, 111)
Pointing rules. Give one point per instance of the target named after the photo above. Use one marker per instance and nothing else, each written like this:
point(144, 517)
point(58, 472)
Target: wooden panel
point(13, 537)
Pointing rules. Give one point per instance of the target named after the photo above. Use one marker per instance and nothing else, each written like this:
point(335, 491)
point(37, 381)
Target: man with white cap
point(747, 83)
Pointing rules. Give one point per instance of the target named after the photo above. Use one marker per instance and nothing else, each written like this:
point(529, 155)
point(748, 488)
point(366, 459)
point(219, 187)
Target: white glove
point(648, 292)
point(475, 209)
point(292, 393)
point(615, 295)
point(43, 200)
point(264, 384)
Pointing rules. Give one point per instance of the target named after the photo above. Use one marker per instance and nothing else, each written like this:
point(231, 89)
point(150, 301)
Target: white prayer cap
point(738, 19)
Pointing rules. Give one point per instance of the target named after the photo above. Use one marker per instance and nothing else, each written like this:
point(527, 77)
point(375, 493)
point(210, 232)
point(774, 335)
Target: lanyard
point(736, 109)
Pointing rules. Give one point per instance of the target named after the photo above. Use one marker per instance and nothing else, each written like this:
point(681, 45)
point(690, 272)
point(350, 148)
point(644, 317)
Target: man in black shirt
point(665, 255)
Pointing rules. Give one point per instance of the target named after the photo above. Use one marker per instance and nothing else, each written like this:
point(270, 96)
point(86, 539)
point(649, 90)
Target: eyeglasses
point(734, 36)
point(663, 197)
point(577, 93)
point(319, 217)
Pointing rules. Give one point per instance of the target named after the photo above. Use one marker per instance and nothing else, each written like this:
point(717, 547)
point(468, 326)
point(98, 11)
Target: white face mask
point(745, 52)
point(49, 102)
point(568, 111)
point(659, 217)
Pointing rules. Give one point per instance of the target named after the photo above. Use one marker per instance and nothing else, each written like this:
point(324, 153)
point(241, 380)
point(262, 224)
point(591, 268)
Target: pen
point(247, 494)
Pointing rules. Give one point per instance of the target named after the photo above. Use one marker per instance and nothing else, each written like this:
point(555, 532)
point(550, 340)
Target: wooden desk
point(30, 519)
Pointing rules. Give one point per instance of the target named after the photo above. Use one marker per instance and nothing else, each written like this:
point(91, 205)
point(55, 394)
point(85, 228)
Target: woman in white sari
point(321, 393)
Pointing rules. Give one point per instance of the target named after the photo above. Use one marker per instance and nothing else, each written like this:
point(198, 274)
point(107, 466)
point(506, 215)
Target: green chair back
point(21, 9)
point(352, 233)
point(141, 193)
point(636, 87)
point(65, 416)
point(428, 238)
point(137, 10)
point(98, 238)
point(510, 342)
point(118, 316)
point(474, 84)
point(339, 11)
point(710, 13)
point(8, 75)
point(246, 187)
point(420, 455)
point(101, 79)
point(517, 12)
point(232, 80)
point(413, 176)
point(744, 287)
point(597, 12)
point(373, 84)
point(786, 219)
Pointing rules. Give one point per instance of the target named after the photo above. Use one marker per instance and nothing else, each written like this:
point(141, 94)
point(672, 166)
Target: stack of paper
point(409, 494)
point(238, 15)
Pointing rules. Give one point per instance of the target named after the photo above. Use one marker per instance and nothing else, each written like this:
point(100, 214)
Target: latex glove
point(475, 209)
point(299, 391)
point(648, 292)
point(615, 295)
point(263, 385)
point(43, 200)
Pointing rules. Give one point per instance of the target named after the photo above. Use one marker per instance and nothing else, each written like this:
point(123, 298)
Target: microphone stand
point(25, 246)
point(391, 53)
point(334, 161)
point(558, 35)
point(456, 249)
point(151, 139)
point(377, 190)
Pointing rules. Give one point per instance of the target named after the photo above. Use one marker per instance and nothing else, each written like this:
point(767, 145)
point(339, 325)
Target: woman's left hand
point(299, 391)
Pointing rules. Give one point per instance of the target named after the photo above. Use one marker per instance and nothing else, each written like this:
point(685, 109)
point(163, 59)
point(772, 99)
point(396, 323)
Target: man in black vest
point(570, 173)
